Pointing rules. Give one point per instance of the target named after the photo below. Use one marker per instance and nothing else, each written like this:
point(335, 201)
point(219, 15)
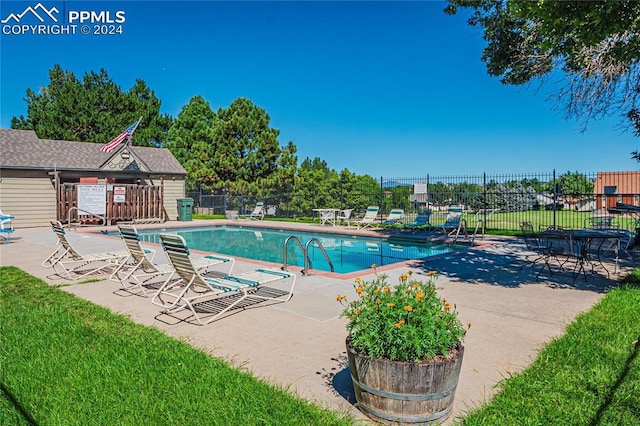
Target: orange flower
point(374, 266)
point(444, 299)
point(357, 311)
point(387, 289)
point(447, 306)
point(391, 305)
point(408, 308)
point(419, 295)
point(415, 285)
point(360, 289)
point(399, 324)
point(404, 277)
point(430, 273)
point(378, 302)
point(358, 280)
point(469, 324)
point(376, 291)
point(340, 298)
point(410, 272)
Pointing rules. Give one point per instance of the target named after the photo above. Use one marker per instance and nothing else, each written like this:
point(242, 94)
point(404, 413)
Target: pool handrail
point(305, 253)
point(324, 252)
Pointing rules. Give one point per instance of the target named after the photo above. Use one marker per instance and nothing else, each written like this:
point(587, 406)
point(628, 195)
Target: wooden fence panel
point(124, 203)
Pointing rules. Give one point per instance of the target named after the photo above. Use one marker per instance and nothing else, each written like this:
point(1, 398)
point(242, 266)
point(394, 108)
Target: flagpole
point(133, 131)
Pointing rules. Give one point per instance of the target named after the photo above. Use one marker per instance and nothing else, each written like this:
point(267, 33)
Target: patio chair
point(6, 226)
point(451, 223)
point(613, 246)
point(396, 217)
point(222, 294)
point(66, 260)
point(344, 216)
point(600, 222)
point(543, 248)
point(139, 270)
point(421, 221)
point(369, 218)
point(256, 214)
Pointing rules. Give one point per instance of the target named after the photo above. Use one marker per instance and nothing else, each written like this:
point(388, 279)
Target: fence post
point(484, 201)
point(555, 198)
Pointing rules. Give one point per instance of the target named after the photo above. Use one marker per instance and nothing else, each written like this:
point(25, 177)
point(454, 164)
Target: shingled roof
point(22, 149)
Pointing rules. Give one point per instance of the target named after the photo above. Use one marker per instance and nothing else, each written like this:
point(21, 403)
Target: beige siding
point(173, 190)
point(29, 196)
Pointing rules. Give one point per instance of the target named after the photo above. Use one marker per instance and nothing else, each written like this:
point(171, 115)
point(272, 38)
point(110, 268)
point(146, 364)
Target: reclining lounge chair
point(421, 221)
point(139, 270)
point(194, 292)
point(69, 261)
point(396, 217)
point(6, 226)
point(369, 218)
point(256, 214)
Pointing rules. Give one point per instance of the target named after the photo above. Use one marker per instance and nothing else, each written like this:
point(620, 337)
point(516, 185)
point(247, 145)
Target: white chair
point(451, 223)
point(139, 270)
point(213, 296)
point(256, 214)
point(6, 226)
point(344, 216)
point(66, 260)
point(396, 217)
point(369, 218)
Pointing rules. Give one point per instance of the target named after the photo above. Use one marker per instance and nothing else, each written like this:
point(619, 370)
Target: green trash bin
point(185, 209)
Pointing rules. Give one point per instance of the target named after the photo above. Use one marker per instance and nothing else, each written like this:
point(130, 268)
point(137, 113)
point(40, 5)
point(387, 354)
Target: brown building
point(617, 187)
point(42, 180)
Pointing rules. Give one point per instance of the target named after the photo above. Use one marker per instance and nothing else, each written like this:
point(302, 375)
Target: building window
point(610, 190)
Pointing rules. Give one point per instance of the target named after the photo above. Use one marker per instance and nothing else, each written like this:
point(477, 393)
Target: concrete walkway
point(300, 344)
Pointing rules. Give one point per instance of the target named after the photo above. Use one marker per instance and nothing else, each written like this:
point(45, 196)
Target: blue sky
point(380, 88)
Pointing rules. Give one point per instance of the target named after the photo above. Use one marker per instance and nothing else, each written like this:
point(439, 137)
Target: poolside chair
point(451, 223)
point(69, 261)
point(344, 216)
point(543, 248)
point(421, 221)
point(139, 270)
point(613, 246)
point(222, 294)
point(396, 217)
point(6, 226)
point(256, 214)
point(369, 218)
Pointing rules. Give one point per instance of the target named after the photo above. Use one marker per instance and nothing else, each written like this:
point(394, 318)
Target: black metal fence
point(501, 202)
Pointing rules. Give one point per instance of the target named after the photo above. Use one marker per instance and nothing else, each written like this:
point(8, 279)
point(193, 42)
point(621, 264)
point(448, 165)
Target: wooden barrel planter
point(404, 392)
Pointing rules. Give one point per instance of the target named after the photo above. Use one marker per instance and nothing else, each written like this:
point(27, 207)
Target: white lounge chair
point(139, 270)
point(256, 214)
point(6, 226)
point(369, 218)
point(213, 296)
point(66, 260)
point(451, 223)
point(396, 217)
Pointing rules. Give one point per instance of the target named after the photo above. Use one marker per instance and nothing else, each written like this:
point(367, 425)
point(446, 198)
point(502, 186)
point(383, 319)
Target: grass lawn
point(590, 376)
point(66, 361)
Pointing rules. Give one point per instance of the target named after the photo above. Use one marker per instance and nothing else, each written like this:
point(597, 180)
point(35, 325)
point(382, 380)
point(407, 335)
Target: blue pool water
point(347, 253)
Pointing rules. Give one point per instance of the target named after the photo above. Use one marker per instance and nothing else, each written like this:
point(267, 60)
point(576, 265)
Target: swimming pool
point(347, 253)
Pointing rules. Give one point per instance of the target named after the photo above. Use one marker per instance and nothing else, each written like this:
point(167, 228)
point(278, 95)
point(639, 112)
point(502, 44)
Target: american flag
point(126, 135)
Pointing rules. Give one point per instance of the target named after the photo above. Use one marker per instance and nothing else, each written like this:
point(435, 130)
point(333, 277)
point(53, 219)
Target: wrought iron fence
point(500, 202)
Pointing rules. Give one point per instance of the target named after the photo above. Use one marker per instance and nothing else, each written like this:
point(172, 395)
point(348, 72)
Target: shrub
point(406, 322)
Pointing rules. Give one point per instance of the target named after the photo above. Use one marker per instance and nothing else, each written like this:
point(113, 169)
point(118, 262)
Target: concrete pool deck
point(300, 345)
